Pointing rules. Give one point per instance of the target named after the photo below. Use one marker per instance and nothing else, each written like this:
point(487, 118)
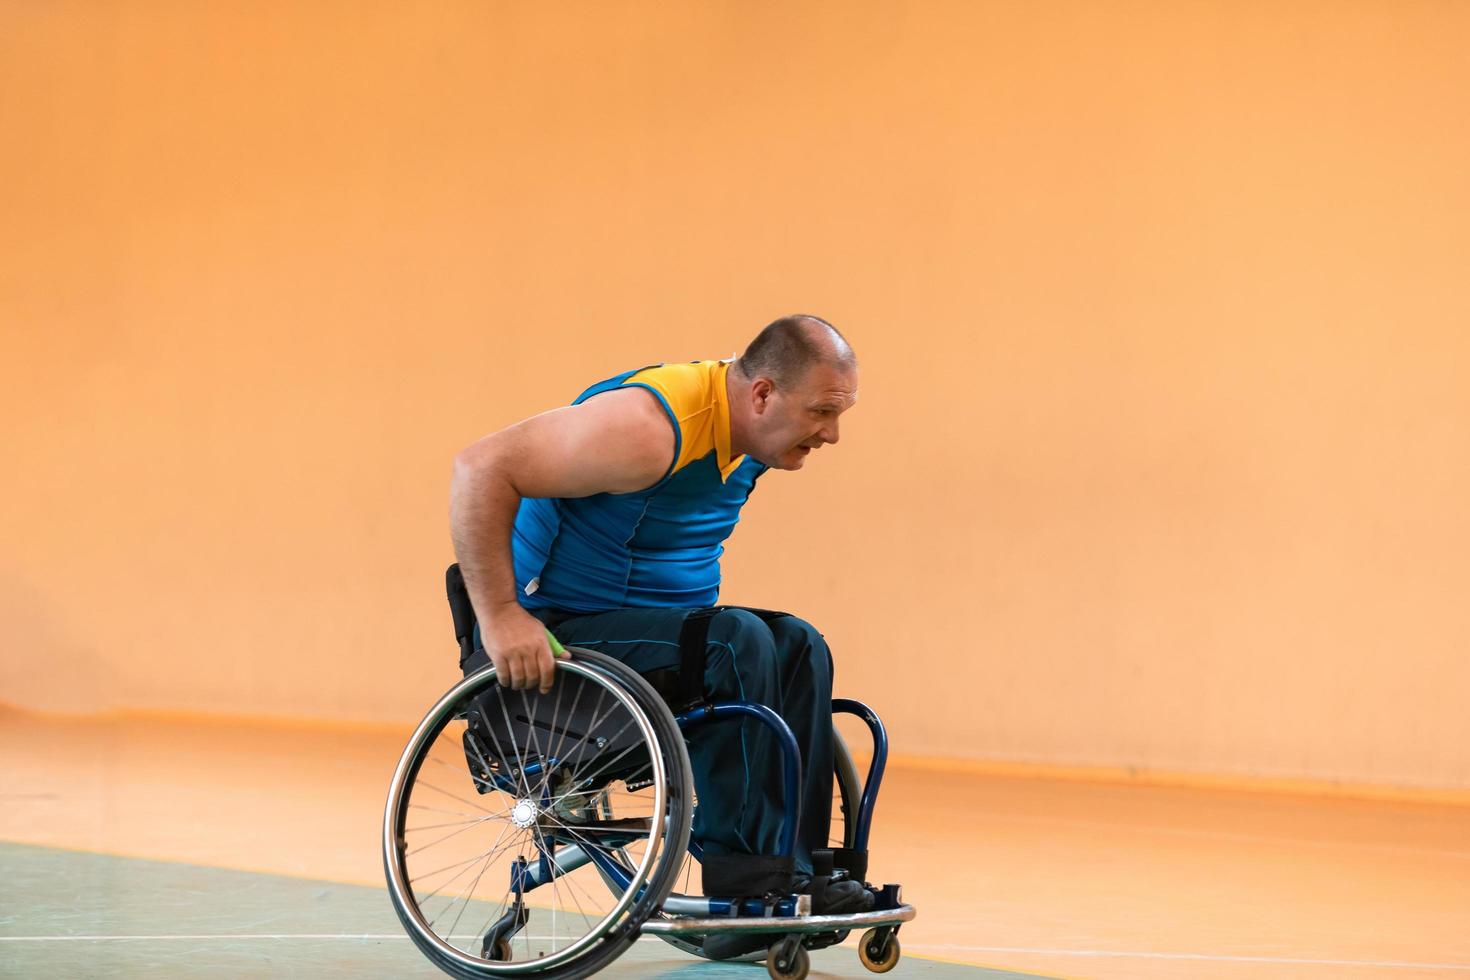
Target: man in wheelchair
point(604, 523)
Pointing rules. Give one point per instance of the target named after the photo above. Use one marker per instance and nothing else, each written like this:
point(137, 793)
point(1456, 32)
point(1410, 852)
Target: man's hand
point(518, 645)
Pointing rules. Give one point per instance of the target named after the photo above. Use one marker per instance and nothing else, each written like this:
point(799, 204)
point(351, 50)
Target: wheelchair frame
point(677, 919)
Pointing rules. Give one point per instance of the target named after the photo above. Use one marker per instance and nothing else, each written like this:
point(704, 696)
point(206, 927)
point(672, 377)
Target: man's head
point(788, 388)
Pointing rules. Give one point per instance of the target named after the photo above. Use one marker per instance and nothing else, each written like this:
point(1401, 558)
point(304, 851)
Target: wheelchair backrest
point(462, 611)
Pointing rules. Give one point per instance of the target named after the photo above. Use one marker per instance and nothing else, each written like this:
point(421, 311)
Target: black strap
point(747, 874)
point(694, 647)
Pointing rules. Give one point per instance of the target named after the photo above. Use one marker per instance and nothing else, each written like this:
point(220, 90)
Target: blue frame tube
point(875, 768)
point(790, 756)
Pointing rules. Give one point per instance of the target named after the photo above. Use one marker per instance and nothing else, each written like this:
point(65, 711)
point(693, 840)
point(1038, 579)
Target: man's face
point(790, 423)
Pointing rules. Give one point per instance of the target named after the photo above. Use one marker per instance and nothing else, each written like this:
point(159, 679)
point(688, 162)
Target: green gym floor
point(74, 914)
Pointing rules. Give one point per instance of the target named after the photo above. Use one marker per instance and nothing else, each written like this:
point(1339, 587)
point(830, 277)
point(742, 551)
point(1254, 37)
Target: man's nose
point(829, 433)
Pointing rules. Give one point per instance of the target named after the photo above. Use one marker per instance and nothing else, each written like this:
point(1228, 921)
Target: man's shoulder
point(685, 385)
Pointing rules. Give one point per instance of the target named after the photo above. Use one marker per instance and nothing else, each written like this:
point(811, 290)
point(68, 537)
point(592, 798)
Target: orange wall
point(1162, 453)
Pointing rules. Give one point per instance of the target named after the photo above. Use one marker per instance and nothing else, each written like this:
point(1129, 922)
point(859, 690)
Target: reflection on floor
point(1064, 879)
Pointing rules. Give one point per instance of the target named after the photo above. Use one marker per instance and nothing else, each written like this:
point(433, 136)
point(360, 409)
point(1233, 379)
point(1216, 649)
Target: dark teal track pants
point(783, 664)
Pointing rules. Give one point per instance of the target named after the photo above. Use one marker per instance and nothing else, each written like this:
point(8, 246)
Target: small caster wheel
point(879, 950)
point(499, 951)
point(788, 960)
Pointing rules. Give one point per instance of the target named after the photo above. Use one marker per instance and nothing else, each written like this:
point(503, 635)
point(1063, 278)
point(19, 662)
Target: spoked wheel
point(847, 791)
point(510, 813)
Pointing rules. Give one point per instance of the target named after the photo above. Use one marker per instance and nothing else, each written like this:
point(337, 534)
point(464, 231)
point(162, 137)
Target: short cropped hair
point(786, 348)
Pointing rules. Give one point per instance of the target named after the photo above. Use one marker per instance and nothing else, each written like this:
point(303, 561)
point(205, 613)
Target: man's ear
point(760, 394)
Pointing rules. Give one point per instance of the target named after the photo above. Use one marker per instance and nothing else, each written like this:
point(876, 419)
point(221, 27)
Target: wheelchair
point(531, 835)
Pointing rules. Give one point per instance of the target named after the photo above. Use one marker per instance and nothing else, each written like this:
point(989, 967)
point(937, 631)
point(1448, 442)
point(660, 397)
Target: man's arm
point(617, 442)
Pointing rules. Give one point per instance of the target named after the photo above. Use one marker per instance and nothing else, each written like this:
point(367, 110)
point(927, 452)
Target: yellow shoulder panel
point(687, 389)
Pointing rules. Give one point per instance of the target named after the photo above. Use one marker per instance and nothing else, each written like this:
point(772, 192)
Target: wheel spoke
point(457, 798)
point(465, 895)
point(457, 823)
point(460, 768)
point(557, 739)
point(533, 743)
point(456, 833)
point(577, 777)
point(457, 864)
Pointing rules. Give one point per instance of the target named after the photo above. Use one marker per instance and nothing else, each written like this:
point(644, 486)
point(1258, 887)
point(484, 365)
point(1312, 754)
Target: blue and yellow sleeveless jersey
point(657, 547)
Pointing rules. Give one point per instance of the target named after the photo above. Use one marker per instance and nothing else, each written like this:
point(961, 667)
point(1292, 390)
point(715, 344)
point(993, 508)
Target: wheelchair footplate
point(793, 929)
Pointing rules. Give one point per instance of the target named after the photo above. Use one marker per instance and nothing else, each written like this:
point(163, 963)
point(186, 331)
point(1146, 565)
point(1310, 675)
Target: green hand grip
point(557, 650)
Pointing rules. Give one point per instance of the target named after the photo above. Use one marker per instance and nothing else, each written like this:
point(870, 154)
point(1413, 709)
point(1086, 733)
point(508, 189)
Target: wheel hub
point(524, 814)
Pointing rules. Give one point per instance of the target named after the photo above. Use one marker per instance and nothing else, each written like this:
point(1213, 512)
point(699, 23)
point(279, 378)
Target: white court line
point(240, 935)
point(234, 935)
point(945, 947)
point(1134, 954)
